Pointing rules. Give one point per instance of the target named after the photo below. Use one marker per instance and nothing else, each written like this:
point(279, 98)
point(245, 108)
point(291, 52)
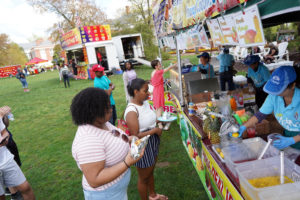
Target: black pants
point(114, 115)
point(66, 79)
point(226, 77)
point(260, 96)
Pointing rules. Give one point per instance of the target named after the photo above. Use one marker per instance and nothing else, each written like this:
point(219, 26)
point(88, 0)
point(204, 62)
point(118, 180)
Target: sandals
point(158, 197)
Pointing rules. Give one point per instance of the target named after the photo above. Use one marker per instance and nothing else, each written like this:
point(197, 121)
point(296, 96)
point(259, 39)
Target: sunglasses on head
point(116, 133)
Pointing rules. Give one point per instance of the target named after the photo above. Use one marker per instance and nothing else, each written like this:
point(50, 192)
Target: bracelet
point(126, 164)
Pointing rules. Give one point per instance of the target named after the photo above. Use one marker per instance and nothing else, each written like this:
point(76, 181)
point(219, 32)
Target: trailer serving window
point(102, 57)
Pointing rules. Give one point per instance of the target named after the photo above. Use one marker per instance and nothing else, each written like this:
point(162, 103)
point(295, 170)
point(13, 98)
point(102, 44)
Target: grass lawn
point(44, 133)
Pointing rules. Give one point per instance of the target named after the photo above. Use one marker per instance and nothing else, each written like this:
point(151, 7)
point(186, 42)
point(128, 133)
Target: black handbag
point(203, 71)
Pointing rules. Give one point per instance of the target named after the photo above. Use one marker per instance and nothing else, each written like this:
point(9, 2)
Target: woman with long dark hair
point(141, 121)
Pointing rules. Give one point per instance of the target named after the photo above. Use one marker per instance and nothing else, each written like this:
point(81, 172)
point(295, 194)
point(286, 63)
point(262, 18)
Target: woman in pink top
point(157, 81)
point(100, 150)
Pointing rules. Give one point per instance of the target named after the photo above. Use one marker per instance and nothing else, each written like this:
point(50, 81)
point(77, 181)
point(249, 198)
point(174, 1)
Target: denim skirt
point(118, 191)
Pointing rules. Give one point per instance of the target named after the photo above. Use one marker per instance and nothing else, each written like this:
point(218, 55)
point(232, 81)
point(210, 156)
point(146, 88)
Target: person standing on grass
point(100, 149)
point(157, 81)
point(12, 147)
point(101, 81)
point(226, 69)
point(128, 76)
point(141, 121)
point(11, 174)
point(22, 78)
point(64, 70)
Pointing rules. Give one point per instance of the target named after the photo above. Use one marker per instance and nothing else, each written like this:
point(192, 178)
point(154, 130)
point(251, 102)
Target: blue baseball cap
point(280, 79)
point(249, 60)
point(204, 54)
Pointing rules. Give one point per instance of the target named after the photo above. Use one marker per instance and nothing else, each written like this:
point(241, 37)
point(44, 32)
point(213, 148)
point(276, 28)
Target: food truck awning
point(275, 12)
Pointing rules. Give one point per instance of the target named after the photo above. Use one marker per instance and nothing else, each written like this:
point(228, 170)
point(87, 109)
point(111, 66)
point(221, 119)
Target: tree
point(10, 53)
point(143, 9)
point(139, 20)
point(87, 10)
point(56, 54)
point(15, 55)
point(4, 43)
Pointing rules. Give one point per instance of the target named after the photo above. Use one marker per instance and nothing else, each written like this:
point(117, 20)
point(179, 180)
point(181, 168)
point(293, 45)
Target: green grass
point(44, 133)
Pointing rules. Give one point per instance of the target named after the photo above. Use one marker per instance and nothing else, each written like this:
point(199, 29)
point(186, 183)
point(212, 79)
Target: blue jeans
point(114, 115)
point(117, 191)
point(24, 82)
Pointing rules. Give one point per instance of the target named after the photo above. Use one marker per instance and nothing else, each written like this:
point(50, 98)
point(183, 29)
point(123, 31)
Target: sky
point(20, 21)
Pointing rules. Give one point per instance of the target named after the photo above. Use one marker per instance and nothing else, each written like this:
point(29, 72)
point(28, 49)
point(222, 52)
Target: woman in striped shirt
point(100, 150)
point(141, 121)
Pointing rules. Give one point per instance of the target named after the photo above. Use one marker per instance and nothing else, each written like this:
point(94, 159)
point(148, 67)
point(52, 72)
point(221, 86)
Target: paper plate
point(170, 119)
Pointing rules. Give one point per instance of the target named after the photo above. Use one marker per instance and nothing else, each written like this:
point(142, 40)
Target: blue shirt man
point(102, 82)
point(259, 74)
point(226, 60)
point(259, 77)
point(226, 70)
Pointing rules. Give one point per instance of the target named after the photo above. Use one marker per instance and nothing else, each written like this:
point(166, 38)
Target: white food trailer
point(129, 47)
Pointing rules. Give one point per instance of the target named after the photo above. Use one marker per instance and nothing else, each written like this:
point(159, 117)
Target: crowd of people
point(102, 150)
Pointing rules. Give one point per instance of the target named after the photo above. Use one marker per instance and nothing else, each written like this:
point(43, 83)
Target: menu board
point(204, 38)
point(70, 38)
point(227, 26)
point(187, 12)
point(215, 31)
point(249, 28)
point(95, 33)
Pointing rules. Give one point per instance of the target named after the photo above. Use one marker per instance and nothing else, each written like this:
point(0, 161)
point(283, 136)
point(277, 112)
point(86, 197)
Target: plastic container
point(248, 150)
point(265, 168)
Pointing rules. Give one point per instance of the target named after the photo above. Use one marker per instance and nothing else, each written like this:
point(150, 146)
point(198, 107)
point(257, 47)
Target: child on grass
point(157, 82)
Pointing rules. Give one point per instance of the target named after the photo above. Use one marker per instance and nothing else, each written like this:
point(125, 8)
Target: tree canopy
point(88, 12)
point(10, 52)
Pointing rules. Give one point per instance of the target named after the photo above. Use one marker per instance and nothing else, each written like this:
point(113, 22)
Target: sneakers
point(7, 192)
point(17, 196)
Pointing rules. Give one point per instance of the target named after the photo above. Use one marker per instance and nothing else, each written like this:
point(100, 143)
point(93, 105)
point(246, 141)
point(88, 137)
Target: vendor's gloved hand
point(283, 142)
point(241, 131)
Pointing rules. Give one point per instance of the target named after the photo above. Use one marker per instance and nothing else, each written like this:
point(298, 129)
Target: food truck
point(228, 167)
point(89, 45)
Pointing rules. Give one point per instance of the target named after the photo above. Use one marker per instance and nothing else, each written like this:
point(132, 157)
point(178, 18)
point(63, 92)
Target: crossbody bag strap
point(137, 111)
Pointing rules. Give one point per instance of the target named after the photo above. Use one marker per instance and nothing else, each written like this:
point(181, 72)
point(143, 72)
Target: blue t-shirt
point(103, 83)
point(288, 117)
point(261, 76)
point(209, 68)
point(225, 60)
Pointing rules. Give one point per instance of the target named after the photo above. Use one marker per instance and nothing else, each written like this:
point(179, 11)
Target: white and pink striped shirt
point(92, 144)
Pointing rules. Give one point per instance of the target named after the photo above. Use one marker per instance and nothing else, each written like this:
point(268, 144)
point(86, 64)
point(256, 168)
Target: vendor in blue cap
point(259, 75)
point(226, 69)
point(284, 101)
point(205, 67)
